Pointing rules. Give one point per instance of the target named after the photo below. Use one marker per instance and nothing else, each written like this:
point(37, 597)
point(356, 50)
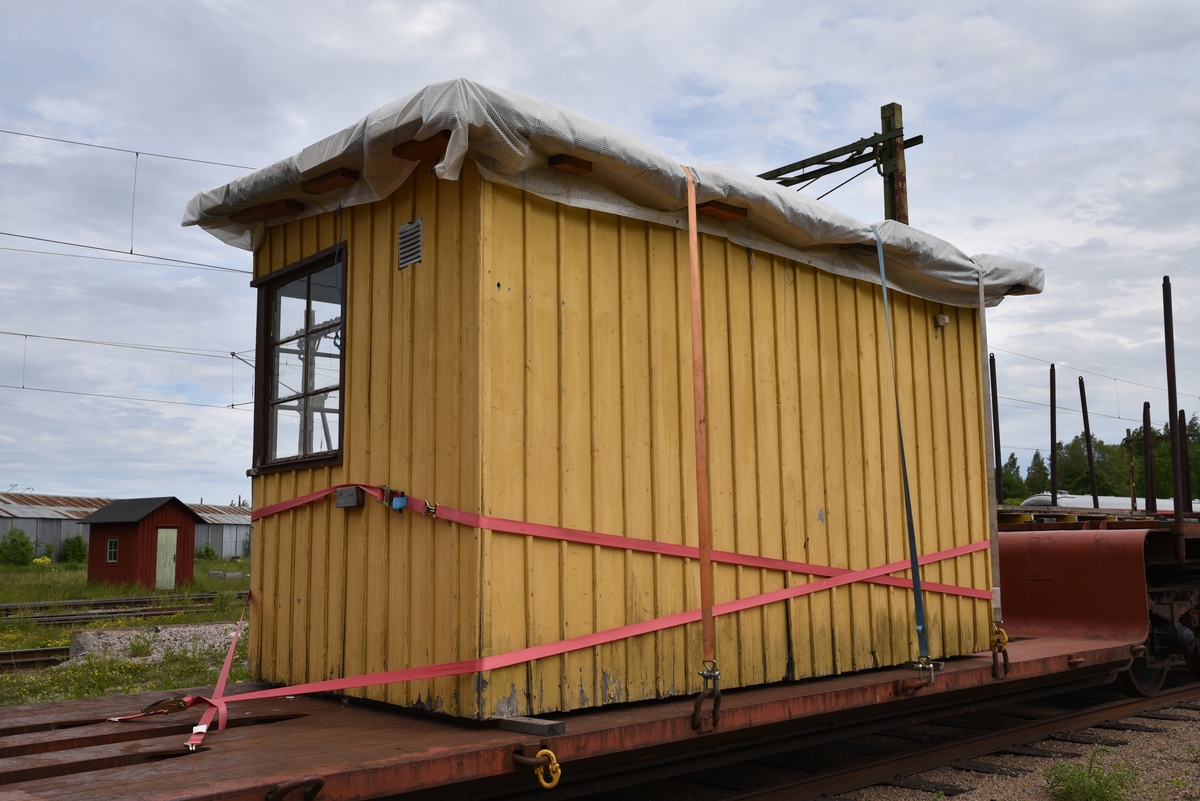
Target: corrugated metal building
point(47, 519)
point(225, 528)
point(534, 362)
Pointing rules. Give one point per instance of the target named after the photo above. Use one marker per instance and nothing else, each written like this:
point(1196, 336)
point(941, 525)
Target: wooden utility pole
point(895, 180)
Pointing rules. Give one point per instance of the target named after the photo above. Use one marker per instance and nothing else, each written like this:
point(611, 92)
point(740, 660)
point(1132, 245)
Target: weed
point(207, 553)
point(1091, 782)
point(96, 675)
point(141, 645)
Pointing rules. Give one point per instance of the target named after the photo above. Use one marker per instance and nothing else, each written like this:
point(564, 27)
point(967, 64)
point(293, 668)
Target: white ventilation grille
point(408, 240)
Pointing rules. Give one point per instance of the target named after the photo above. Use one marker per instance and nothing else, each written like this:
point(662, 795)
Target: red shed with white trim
point(147, 541)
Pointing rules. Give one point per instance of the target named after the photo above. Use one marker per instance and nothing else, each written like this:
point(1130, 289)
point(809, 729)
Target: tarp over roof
point(510, 136)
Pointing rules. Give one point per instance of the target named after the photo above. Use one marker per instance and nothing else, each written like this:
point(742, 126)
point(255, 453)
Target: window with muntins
point(112, 550)
point(304, 337)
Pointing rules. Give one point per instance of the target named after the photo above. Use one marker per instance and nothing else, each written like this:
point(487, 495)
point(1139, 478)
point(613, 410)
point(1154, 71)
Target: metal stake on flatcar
point(1185, 467)
point(1148, 461)
point(1053, 440)
point(1087, 437)
point(1173, 403)
point(996, 429)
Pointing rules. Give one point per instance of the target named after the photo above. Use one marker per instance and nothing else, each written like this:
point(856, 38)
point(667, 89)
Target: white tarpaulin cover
point(511, 137)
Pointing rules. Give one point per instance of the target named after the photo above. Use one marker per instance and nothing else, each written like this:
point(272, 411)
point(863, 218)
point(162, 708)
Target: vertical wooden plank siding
point(537, 366)
point(335, 589)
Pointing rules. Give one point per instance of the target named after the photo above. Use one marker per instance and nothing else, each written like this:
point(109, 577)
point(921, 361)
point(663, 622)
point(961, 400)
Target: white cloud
point(1060, 133)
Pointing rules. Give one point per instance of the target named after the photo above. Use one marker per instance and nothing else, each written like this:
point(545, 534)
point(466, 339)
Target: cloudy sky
point(1062, 133)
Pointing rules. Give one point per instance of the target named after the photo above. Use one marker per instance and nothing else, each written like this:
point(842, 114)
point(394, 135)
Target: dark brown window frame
point(263, 371)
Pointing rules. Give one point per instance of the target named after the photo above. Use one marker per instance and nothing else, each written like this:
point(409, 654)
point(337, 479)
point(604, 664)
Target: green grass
point(59, 582)
point(95, 676)
point(1090, 782)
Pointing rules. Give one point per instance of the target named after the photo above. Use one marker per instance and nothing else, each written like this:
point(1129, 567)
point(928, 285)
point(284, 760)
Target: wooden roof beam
point(722, 211)
point(571, 164)
point(334, 179)
point(419, 150)
point(267, 211)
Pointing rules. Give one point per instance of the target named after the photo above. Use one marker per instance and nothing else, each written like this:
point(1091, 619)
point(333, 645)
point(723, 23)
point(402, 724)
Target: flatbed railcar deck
point(69, 750)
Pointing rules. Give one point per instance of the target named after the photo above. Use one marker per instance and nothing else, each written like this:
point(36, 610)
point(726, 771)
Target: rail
point(32, 658)
point(95, 609)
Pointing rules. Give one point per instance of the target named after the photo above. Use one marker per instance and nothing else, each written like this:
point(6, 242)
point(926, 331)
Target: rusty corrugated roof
point(222, 515)
point(54, 507)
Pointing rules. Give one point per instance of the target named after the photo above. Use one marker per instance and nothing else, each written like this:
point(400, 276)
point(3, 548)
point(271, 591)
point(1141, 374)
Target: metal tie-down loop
point(712, 689)
point(999, 647)
point(545, 762)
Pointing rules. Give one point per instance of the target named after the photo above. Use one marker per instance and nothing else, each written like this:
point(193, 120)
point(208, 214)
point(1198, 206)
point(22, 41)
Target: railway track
point(890, 754)
point(32, 658)
point(61, 613)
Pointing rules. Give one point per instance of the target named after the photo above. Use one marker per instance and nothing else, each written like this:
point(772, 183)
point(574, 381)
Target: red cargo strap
point(218, 701)
point(283, 506)
point(703, 516)
point(501, 524)
point(687, 551)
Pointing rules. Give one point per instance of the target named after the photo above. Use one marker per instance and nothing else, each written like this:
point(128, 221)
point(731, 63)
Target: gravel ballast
point(150, 643)
point(1167, 762)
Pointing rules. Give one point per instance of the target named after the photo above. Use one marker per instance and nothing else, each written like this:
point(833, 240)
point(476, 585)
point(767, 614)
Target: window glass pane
point(326, 296)
point(285, 430)
point(323, 410)
point(289, 309)
point(327, 360)
point(289, 369)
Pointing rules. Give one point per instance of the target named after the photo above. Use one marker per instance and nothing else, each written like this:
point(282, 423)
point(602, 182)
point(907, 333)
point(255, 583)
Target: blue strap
point(918, 600)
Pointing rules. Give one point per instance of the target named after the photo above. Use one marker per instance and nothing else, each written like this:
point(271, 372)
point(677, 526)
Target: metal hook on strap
point(999, 648)
point(712, 689)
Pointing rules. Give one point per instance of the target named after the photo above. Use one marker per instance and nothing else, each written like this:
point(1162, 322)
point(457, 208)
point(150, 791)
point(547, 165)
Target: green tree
point(73, 551)
point(1014, 486)
point(15, 548)
point(1037, 477)
point(1112, 471)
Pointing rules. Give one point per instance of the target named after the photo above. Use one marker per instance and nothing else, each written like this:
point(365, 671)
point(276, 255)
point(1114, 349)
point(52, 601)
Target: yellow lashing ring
point(999, 638)
point(553, 768)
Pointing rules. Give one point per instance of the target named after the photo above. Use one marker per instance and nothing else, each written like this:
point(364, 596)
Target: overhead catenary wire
point(1092, 372)
point(199, 265)
point(235, 407)
point(848, 180)
point(206, 352)
point(125, 150)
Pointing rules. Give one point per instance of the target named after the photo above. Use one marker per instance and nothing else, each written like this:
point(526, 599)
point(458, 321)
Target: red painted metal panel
point(1089, 584)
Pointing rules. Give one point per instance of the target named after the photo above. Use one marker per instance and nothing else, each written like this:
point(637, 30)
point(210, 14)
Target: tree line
point(1112, 466)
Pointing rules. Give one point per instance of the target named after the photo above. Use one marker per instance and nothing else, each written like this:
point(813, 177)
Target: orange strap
point(703, 513)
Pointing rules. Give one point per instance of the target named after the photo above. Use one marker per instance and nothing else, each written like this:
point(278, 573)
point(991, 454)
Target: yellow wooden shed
point(483, 300)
